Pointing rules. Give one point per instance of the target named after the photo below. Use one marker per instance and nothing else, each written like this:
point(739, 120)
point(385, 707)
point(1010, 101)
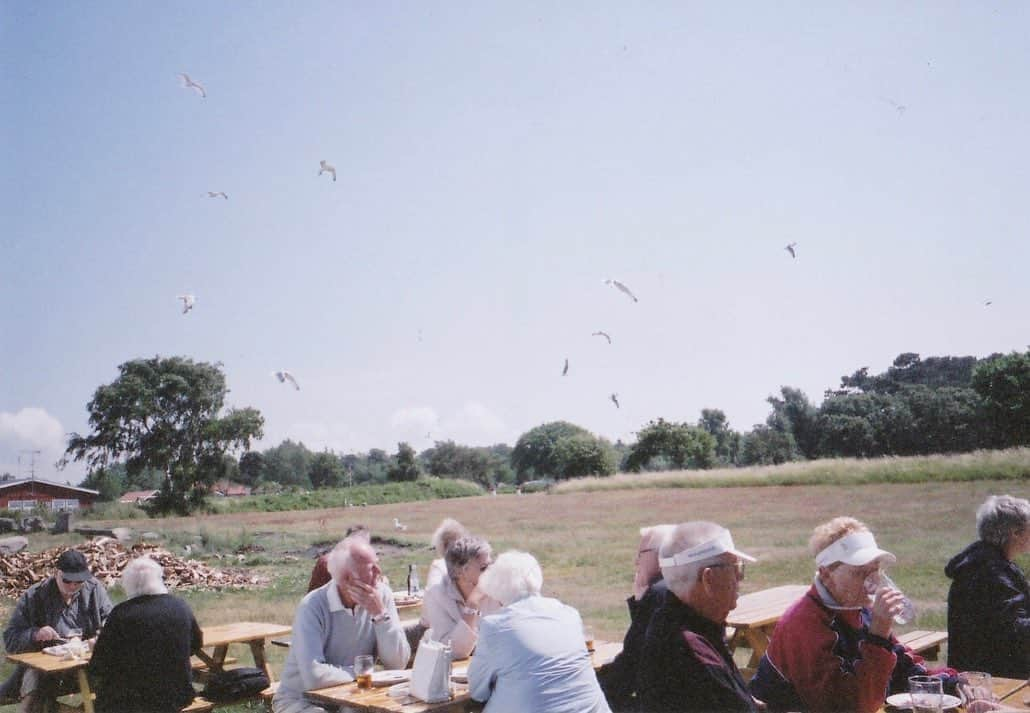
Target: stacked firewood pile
point(106, 560)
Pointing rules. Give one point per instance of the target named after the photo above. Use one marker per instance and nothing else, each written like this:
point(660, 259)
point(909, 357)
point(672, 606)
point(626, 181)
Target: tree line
point(160, 425)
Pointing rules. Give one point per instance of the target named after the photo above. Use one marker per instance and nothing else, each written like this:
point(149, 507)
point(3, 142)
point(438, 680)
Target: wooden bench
point(925, 643)
point(199, 705)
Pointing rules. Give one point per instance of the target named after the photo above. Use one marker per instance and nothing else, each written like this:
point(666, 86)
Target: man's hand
point(366, 597)
point(45, 633)
point(888, 602)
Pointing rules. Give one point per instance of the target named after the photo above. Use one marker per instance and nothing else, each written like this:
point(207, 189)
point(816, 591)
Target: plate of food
point(904, 701)
point(460, 674)
point(390, 677)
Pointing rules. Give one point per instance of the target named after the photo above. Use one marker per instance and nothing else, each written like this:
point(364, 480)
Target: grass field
point(586, 541)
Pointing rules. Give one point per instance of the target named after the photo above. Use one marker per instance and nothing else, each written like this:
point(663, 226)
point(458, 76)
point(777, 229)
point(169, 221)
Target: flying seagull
point(187, 302)
point(615, 400)
point(900, 108)
point(565, 370)
point(622, 288)
point(602, 334)
point(284, 376)
point(398, 525)
point(790, 248)
point(988, 303)
point(189, 83)
point(217, 194)
point(326, 167)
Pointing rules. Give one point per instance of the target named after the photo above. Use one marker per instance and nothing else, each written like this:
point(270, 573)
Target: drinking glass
point(880, 579)
point(363, 667)
point(926, 694)
point(588, 637)
point(975, 686)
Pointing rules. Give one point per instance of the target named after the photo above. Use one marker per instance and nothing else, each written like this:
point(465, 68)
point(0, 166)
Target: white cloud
point(475, 424)
point(30, 429)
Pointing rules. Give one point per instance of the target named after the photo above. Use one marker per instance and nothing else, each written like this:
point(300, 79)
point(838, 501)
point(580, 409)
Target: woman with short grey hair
point(452, 606)
point(989, 598)
point(141, 662)
point(531, 654)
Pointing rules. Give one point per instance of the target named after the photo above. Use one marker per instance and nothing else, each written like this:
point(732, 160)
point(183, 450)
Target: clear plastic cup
point(880, 579)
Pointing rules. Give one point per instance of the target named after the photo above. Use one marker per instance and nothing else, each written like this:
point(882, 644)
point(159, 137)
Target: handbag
point(235, 683)
point(431, 674)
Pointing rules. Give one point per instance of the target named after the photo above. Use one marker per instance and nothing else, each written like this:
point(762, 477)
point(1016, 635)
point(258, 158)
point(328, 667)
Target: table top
point(1010, 691)
point(48, 663)
point(766, 606)
point(242, 632)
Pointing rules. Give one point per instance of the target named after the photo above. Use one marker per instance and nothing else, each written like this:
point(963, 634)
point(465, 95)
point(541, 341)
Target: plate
point(460, 674)
point(902, 700)
point(389, 678)
point(400, 690)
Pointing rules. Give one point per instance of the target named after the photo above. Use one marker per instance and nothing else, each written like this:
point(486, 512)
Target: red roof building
point(134, 497)
point(28, 493)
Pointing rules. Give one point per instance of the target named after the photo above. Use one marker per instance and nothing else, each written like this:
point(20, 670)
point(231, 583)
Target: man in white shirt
point(353, 614)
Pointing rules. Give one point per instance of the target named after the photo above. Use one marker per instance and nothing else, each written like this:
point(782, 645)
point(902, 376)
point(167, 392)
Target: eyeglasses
point(739, 566)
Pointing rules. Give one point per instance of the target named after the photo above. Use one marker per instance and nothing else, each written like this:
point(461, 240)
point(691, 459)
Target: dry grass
point(586, 542)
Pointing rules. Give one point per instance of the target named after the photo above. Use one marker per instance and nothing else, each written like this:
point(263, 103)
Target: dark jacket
point(618, 679)
point(141, 662)
point(686, 666)
point(42, 605)
point(988, 613)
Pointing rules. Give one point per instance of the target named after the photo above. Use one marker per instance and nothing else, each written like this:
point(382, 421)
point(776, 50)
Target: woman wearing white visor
point(833, 650)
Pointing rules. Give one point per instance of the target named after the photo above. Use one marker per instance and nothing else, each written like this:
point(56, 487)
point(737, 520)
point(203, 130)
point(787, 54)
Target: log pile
point(106, 560)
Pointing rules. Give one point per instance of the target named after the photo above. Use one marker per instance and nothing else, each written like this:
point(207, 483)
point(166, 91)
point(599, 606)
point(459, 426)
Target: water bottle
point(880, 579)
point(414, 588)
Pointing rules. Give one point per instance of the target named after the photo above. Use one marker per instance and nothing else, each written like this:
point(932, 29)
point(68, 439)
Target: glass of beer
point(363, 667)
point(588, 637)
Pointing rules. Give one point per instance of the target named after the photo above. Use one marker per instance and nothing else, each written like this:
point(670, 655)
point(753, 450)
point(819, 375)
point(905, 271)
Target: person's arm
point(441, 614)
point(19, 636)
point(314, 670)
point(482, 670)
point(102, 607)
point(392, 644)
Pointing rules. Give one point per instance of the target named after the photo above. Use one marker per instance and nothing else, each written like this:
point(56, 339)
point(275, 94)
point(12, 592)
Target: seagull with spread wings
point(615, 400)
point(217, 194)
point(602, 334)
point(621, 288)
point(790, 248)
point(284, 376)
point(565, 370)
point(187, 302)
point(190, 84)
point(326, 167)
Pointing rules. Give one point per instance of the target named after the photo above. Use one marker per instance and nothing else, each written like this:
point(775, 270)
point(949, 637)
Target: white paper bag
point(431, 674)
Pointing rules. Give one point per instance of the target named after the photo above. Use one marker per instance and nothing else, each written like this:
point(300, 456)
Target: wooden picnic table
point(378, 700)
point(219, 637)
point(1010, 691)
point(753, 620)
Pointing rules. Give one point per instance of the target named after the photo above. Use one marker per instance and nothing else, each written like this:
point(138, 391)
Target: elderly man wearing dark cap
point(69, 602)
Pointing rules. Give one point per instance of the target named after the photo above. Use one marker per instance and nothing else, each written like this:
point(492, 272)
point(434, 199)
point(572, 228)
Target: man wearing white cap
point(833, 649)
point(685, 664)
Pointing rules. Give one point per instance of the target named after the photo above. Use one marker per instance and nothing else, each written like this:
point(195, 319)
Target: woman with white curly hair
point(141, 662)
point(989, 600)
point(531, 655)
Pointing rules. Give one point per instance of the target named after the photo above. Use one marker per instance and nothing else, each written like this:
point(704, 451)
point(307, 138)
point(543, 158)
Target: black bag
point(235, 683)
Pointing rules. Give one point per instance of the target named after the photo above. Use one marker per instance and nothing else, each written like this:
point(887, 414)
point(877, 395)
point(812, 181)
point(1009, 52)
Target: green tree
point(288, 464)
point(727, 441)
point(1003, 382)
point(252, 468)
point(682, 445)
point(536, 454)
point(165, 414)
point(584, 454)
point(765, 445)
point(793, 413)
point(326, 471)
point(405, 466)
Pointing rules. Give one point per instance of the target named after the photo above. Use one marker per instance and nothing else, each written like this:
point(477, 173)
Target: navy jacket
point(619, 678)
point(988, 613)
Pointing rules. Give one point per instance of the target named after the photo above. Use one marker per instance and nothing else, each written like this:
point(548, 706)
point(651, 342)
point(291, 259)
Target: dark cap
point(73, 567)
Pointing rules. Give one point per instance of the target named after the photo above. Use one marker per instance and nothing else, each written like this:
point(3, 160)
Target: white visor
point(723, 542)
point(857, 549)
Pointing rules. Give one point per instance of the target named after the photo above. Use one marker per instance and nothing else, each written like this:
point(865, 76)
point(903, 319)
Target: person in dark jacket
point(989, 600)
point(141, 662)
point(47, 613)
point(685, 664)
point(618, 679)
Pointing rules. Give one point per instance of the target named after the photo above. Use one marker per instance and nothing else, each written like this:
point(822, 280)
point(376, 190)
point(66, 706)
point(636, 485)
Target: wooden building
point(27, 493)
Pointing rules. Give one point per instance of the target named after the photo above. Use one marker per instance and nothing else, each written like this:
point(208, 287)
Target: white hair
point(341, 557)
point(449, 531)
point(511, 577)
point(652, 537)
point(143, 576)
point(682, 578)
point(1000, 517)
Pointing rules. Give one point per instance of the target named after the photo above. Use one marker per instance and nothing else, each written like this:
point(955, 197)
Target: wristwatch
point(469, 610)
point(385, 616)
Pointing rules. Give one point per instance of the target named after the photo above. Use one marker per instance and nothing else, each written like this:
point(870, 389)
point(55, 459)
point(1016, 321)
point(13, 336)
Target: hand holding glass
point(880, 579)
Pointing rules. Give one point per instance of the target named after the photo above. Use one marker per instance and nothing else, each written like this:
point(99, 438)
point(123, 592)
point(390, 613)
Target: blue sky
point(496, 162)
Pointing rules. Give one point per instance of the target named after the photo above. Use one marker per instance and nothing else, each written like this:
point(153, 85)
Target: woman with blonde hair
point(448, 531)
